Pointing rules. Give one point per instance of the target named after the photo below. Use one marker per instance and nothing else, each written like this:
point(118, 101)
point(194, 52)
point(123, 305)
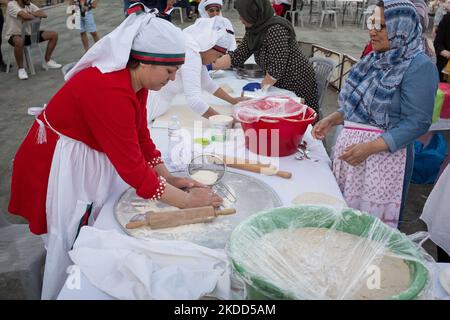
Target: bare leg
point(52, 38)
point(18, 51)
point(95, 36)
point(84, 41)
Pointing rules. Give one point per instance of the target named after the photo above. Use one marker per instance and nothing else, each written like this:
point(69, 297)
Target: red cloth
point(102, 111)
point(368, 49)
point(279, 9)
point(445, 111)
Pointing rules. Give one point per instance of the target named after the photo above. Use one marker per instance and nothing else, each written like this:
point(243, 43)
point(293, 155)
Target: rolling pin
point(169, 219)
point(270, 171)
point(231, 160)
point(256, 167)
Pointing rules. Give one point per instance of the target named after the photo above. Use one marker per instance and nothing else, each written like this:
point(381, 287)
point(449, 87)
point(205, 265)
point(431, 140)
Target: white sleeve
point(208, 84)
point(13, 9)
point(34, 8)
point(192, 82)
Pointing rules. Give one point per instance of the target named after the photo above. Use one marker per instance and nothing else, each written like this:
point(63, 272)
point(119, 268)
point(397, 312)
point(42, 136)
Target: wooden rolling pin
point(169, 219)
point(269, 171)
point(256, 167)
point(231, 160)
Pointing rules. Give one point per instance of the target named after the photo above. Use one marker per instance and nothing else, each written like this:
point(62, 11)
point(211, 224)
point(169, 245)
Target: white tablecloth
point(308, 176)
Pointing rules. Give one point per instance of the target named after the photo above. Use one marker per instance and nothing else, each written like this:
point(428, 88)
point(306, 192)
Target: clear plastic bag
point(272, 106)
point(319, 252)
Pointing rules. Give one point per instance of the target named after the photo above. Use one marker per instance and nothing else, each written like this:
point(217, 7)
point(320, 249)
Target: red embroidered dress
point(102, 111)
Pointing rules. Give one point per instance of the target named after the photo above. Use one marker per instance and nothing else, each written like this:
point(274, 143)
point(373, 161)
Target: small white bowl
point(221, 120)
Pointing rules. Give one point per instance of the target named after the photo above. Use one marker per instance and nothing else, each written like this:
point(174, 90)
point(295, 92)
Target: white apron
point(79, 183)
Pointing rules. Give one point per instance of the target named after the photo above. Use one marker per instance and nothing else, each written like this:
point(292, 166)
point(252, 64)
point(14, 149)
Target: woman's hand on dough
point(201, 197)
point(181, 182)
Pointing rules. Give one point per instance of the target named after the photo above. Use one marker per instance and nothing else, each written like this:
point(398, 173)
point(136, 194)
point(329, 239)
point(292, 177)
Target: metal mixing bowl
point(250, 71)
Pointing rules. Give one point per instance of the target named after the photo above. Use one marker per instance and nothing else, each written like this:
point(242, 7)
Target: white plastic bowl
point(220, 120)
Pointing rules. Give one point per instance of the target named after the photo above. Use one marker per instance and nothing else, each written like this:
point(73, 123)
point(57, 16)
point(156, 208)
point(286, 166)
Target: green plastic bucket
point(349, 220)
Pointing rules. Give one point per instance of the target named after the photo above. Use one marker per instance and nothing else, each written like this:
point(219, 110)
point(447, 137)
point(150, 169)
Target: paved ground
point(16, 96)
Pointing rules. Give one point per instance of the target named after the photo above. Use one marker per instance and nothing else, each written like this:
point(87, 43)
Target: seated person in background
point(18, 12)
point(194, 3)
point(180, 4)
point(206, 40)
point(442, 45)
point(385, 104)
point(281, 6)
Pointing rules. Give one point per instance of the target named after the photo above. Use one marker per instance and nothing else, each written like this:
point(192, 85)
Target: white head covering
point(204, 4)
point(142, 35)
point(212, 33)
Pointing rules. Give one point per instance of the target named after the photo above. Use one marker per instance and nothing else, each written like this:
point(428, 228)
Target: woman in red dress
point(94, 130)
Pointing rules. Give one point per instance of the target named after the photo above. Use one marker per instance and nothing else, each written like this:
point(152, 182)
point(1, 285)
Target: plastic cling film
point(271, 106)
point(318, 252)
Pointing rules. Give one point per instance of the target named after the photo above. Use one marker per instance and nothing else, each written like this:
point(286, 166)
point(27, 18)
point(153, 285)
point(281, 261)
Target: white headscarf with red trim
point(204, 4)
point(142, 32)
point(210, 32)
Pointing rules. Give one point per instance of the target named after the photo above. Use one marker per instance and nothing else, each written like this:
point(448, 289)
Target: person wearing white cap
point(94, 130)
point(206, 40)
point(212, 8)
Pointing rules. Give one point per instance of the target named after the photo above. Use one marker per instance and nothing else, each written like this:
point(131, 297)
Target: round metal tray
point(252, 196)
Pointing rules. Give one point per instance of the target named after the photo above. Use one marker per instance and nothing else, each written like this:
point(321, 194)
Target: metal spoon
point(305, 154)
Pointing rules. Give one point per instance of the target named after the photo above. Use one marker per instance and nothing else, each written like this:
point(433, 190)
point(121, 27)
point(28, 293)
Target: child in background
point(87, 22)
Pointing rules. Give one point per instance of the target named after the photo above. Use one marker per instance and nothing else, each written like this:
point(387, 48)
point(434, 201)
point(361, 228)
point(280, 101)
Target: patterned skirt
point(374, 186)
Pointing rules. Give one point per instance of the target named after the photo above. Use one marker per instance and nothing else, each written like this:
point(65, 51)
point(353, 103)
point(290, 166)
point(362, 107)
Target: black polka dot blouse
point(282, 58)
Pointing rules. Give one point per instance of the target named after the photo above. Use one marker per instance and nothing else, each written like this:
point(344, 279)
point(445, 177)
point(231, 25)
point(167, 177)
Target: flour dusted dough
point(318, 198)
point(331, 264)
point(205, 176)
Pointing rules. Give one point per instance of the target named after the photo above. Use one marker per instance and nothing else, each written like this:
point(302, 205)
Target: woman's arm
point(357, 153)
point(277, 54)
point(417, 93)
point(193, 77)
point(233, 59)
point(321, 128)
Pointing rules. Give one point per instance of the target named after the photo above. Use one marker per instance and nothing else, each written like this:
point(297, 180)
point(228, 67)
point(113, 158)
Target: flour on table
point(320, 263)
point(318, 198)
point(206, 177)
point(198, 232)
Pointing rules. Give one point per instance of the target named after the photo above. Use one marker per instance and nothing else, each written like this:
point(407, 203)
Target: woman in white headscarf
point(212, 8)
point(95, 129)
point(206, 41)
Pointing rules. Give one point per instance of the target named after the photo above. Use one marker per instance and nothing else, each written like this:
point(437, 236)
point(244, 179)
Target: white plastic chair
point(326, 11)
point(33, 26)
point(323, 68)
point(180, 10)
point(296, 10)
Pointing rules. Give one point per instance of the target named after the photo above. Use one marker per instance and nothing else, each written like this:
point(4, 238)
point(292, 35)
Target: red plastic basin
point(277, 137)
